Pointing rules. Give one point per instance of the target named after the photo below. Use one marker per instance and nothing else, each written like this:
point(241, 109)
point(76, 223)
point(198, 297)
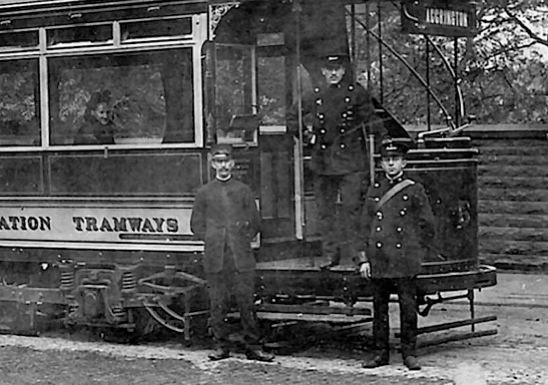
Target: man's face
point(333, 75)
point(393, 164)
point(223, 167)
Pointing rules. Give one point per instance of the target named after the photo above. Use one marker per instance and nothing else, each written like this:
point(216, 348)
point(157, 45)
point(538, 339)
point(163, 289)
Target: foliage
point(501, 71)
point(506, 66)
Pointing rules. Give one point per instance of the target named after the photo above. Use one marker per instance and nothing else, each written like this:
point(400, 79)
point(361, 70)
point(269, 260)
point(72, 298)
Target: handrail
point(447, 115)
point(451, 72)
point(443, 132)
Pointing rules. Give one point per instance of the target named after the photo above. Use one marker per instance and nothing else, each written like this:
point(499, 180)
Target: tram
point(97, 232)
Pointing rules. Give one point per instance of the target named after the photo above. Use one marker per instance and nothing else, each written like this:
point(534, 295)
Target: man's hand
point(309, 138)
point(365, 270)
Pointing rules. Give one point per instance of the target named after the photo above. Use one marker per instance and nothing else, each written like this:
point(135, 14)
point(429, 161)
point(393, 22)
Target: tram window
point(19, 99)
point(235, 101)
point(80, 35)
point(272, 93)
point(156, 28)
point(148, 97)
point(13, 40)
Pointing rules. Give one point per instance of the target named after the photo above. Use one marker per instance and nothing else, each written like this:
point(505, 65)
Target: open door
point(276, 145)
point(245, 106)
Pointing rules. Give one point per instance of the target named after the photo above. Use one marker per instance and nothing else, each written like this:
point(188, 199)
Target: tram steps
point(513, 203)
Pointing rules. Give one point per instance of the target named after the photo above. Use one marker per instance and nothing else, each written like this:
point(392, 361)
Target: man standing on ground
point(398, 225)
point(341, 112)
point(226, 218)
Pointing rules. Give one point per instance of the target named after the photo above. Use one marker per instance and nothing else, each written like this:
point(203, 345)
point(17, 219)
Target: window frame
point(43, 53)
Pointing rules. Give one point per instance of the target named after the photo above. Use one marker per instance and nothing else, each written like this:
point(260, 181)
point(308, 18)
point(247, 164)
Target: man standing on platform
point(341, 112)
point(226, 218)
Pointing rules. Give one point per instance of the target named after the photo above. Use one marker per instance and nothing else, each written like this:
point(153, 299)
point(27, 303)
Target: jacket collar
point(397, 179)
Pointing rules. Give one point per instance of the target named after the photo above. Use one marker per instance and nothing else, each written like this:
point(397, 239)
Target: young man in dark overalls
point(226, 218)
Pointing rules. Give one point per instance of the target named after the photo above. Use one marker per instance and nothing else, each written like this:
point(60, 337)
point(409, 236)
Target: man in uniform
point(398, 225)
point(341, 112)
point(226, 218)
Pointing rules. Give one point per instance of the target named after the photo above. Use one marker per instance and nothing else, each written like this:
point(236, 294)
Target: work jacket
point(226, 218)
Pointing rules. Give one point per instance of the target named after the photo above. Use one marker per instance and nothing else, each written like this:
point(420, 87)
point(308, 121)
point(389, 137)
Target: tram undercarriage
point(288, 291)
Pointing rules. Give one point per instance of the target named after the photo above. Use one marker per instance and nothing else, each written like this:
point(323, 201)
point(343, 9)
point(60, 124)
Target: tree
point(506, 66)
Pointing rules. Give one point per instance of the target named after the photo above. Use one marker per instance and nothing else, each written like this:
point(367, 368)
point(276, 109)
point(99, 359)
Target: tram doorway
point(248, 107)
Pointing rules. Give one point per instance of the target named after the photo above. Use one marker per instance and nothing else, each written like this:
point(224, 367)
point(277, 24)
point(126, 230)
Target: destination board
point(439, 17)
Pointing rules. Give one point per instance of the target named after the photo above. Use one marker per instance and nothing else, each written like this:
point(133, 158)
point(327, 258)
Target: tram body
point(102, 230)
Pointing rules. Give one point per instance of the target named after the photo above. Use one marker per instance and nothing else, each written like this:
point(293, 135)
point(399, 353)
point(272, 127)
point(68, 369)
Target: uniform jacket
point(225, 213)
point(338, 112)
point(398, 232)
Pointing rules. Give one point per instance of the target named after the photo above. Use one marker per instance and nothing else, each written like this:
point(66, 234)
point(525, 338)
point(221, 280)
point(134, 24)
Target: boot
point(259, 355)
point(219, 354)
point(412, 363)
point(378, 360)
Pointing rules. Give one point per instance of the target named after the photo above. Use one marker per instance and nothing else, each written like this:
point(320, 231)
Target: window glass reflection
point(19, 120)
point(122, 98)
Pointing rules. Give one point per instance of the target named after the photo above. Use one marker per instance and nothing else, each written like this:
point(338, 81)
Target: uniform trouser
point(242, 285)
point(340, 228)
point(407, 297)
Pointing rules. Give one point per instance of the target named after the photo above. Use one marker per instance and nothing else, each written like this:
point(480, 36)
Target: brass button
point(399, 229)
point(398, 245)
point(379, 245)
point(378, 228)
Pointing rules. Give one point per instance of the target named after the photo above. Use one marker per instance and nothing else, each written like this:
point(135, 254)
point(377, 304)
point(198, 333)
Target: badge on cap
point(334, 61)
point(221, 152)
point(395, 146)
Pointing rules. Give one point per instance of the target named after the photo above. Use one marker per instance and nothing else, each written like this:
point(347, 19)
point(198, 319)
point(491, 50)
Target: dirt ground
point(516, 355)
